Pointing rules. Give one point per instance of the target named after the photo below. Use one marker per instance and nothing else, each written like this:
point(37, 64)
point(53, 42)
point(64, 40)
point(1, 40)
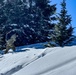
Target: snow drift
point(47, 61)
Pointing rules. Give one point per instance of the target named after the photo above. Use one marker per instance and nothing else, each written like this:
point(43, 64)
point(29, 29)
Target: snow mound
point(32, 61)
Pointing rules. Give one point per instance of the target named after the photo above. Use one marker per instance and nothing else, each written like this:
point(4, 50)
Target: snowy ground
point(36, 60)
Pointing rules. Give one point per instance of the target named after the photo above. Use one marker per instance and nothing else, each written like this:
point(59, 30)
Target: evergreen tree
point(33, 17)
point(3, 20)
point(63, 30)
point(44, 10)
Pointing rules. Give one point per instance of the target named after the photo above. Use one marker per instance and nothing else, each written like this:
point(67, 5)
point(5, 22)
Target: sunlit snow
point(32, 60)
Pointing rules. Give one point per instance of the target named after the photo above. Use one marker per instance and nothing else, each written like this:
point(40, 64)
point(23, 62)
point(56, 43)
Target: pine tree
point(63, 30)
point(33, 17)
point(3, 19)
point(44, 11)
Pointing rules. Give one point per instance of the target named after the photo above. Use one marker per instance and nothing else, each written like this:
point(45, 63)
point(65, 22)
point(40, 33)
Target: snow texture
point(39, 61)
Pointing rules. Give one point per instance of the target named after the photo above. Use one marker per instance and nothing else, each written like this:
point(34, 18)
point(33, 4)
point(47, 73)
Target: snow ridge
point(19, 66)
point(47, 61)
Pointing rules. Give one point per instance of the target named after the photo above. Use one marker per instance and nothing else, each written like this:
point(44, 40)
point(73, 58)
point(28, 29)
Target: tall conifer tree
point(30, 16)
point(63, 31)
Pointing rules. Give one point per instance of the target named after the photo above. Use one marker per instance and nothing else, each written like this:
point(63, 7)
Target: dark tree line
point(33, 21)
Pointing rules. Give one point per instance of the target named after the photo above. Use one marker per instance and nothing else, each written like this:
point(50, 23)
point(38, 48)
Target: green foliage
point(63, 30)
point(27, 15)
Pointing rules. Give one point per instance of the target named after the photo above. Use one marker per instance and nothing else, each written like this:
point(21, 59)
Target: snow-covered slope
point(47, 61)
point(12, 62)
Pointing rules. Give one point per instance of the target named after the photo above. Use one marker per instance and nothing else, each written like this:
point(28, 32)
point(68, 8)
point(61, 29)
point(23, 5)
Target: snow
point(13, 24)
point(32, 60)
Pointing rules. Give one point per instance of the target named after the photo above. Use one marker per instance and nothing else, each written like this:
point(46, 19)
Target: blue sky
point(71, 8)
